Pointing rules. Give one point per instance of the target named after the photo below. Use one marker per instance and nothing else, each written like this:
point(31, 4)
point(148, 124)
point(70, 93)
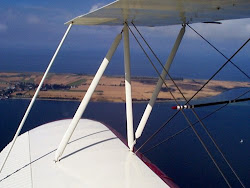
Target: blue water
point(182, 158)
point(187, 64)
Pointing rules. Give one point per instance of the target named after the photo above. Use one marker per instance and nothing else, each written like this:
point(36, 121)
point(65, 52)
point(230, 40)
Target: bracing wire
point(218, 70)
point(196, 133)
point(228, 60)
point(219, 51)
point(187, 101)
point(181, 131)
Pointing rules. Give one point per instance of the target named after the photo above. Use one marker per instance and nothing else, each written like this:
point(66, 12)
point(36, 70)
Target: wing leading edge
point(165, 12)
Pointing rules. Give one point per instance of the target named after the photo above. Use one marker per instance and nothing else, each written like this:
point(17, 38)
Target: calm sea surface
point(186, 65)
point(181, 158)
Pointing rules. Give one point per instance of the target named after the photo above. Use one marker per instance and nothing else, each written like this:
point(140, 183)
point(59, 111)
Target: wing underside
point(165, 12)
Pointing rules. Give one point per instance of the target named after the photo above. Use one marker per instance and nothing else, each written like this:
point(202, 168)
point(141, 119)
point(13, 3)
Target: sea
point(182, 157)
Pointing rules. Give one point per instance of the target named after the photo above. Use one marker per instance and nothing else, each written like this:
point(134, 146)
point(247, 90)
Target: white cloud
point(32, 19)
point(3, 27)
point(96, 6)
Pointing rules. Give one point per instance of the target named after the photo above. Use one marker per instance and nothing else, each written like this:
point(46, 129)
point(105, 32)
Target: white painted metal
point(34, 98)
point(87, 97)
point(128, 89)
point(158, 87)
point(19, 158)
point(165, 12)
point(94, 157)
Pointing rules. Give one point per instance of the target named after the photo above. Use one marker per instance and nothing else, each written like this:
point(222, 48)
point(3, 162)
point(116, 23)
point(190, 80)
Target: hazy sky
point(31, 30)
point(40, 24)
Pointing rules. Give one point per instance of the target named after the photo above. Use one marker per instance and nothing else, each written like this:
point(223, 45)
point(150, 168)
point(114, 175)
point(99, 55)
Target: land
point(110, 89)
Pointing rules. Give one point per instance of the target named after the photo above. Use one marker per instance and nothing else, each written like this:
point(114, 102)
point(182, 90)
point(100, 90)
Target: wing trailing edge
point(164, 12)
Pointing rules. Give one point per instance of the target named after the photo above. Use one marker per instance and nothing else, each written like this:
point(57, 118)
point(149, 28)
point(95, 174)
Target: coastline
point(134, 101)
point(72, 87)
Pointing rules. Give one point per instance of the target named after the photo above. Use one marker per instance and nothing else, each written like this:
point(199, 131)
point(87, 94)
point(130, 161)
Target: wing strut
point(86, 98)
point(129, 108)
point(34, 97)
point(158, 87)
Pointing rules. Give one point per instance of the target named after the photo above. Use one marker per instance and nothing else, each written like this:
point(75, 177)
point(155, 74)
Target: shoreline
point(72, 87)
point(109, 75)
point(72, 100)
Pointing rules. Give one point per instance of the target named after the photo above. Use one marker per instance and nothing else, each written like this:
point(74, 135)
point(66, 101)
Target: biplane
point(85, 153)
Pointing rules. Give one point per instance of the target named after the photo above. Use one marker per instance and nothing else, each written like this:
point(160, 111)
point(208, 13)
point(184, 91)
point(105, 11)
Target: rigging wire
point(228, 60)
point(174, 82)
point(164, 124)
point(219, 51)
point(196, 133)
point(187, 101)
point(218, 70)
point(181, 131)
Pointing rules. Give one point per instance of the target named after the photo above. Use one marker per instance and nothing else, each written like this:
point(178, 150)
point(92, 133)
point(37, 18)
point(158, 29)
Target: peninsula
point(110, 89)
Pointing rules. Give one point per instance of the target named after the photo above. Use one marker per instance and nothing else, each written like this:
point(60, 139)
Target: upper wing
point(165, 12)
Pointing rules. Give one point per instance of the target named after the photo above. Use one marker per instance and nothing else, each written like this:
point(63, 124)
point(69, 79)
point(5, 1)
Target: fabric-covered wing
point(165, 12)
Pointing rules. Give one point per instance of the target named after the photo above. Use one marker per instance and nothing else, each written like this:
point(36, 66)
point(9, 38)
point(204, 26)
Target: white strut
point(86, 98)
point(34, 97)
point(159, 85)
point(129, 107)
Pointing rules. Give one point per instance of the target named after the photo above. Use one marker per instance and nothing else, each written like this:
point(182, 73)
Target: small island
point(110, 89)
